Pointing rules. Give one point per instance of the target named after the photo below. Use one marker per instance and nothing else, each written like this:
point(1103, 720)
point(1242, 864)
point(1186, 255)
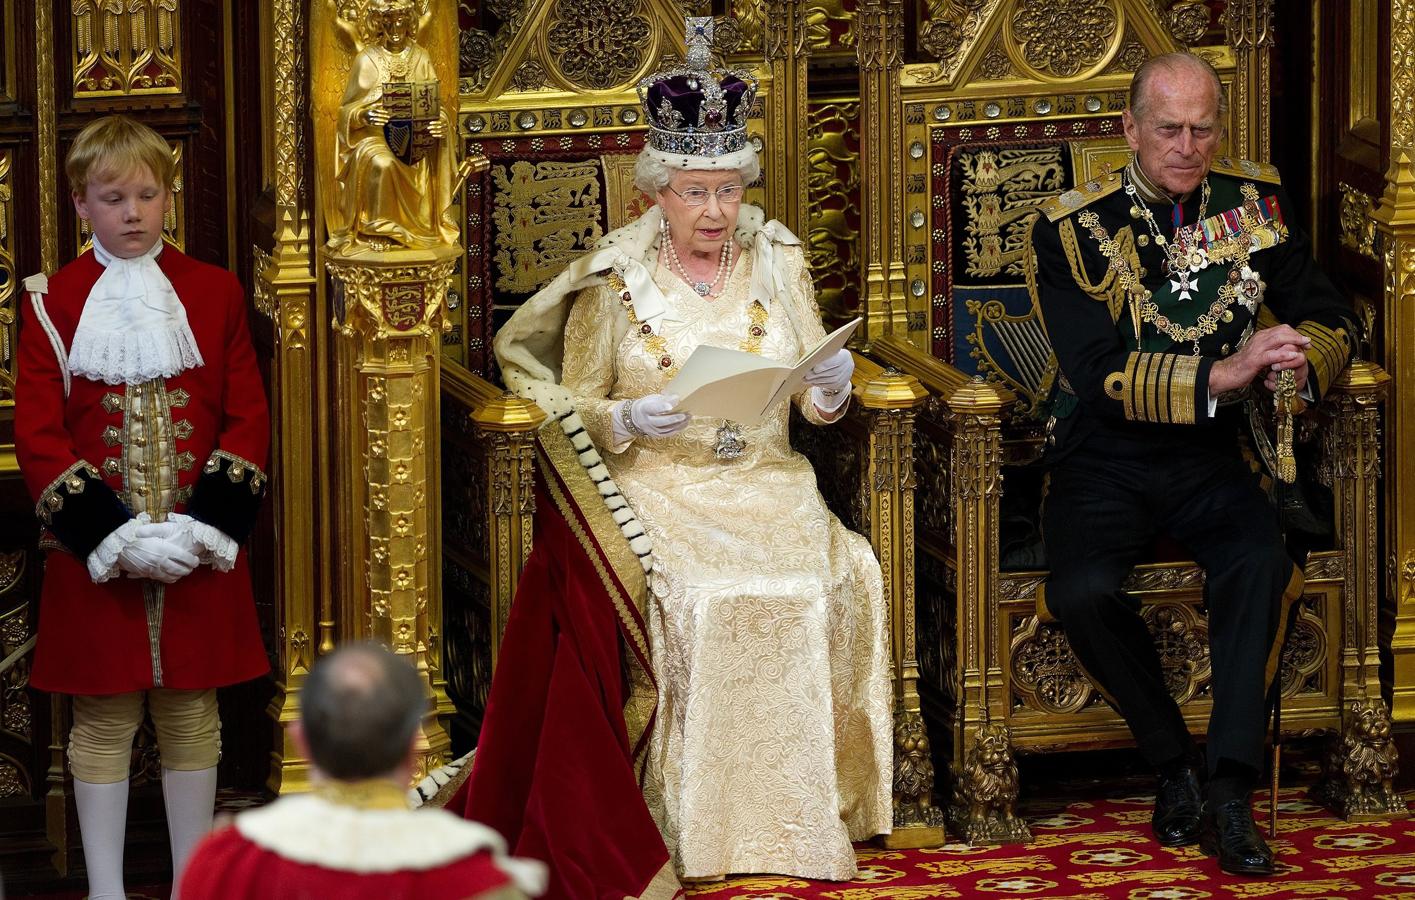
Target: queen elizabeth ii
point(766, 618)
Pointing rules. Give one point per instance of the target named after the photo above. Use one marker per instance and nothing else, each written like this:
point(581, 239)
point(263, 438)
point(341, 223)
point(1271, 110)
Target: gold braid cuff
point(1156, 387)
point(1328, 353)
point(51, 499)
point(240, 469)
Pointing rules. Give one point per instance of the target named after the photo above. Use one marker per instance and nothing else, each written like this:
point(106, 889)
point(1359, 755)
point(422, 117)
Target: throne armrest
point(486, 491)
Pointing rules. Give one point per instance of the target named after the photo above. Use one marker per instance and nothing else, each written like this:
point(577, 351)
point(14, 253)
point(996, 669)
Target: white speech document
point(743, 387)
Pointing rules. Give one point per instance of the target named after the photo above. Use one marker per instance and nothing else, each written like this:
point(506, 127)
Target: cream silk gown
point(769, 629)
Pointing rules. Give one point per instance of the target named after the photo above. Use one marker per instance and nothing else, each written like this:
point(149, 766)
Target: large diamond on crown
point(694, 109)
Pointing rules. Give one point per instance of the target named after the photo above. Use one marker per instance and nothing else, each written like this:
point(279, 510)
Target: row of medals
point(1186, 256)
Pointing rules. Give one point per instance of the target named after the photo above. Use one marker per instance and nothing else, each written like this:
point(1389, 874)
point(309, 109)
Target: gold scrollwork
point(598, 45)
point(546, 214)
point(833, 208)
point(750, 16)
point(1182, 640)
point(1063, 39)
point(125, 47)
point(1045, 674)
point(1358, 229)
point(262, 292)
point(950, 29)
point(1188, 21)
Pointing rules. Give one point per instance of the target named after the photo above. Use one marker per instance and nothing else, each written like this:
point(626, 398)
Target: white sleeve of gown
point(588, 371)
point(810, 331)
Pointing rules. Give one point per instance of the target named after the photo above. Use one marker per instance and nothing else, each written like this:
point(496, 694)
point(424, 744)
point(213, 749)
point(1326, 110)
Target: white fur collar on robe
point(530, 347)
point(133, 327)
point(309, 829)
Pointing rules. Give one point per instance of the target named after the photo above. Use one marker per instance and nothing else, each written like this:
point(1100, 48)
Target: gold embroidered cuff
point(69, 483)
point(227, 495)
point(1328, 353)
point(1157, 387)
point(239, 469)
point(80, 509)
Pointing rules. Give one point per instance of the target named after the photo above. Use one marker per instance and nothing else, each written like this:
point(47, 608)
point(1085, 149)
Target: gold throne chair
point(1002, 117)
point(560, 132)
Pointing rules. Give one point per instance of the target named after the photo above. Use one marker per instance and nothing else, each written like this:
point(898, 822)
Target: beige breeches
point(101, 741)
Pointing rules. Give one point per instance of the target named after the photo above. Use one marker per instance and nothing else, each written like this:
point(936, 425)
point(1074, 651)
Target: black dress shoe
point(1177, 805)
point(1229, 832)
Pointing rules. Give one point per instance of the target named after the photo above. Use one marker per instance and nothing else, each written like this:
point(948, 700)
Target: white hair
point(654, 168)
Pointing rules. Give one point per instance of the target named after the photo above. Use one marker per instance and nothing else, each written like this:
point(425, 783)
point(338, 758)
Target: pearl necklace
point(702, 288)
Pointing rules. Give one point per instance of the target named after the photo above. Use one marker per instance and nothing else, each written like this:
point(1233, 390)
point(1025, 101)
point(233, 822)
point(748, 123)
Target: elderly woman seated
point(770, 749)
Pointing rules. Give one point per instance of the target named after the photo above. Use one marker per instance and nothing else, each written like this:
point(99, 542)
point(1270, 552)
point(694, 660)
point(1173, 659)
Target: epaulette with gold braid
point(1246, 168)
point(1081, 196)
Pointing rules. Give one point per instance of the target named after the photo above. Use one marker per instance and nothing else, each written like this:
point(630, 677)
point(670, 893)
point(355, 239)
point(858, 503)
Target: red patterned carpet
point(1103, 849)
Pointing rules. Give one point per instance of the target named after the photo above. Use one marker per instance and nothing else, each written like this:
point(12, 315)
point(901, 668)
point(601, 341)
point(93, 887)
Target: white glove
point(178, 535)
point(650, 416)
point(831, 380)
point(155, 558)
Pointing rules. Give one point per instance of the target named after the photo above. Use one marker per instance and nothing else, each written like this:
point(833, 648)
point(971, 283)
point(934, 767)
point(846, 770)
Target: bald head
point(360, 708)
point(1175, 120)
point(1178, 66)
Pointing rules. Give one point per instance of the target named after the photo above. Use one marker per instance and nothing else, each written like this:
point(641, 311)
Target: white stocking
point(103, 819)
point(190, 798)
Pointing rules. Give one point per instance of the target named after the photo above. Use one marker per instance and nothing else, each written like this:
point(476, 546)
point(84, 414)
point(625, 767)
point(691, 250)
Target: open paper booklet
point(743, 387)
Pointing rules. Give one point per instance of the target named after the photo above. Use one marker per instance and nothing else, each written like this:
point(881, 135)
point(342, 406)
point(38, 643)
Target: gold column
point(890, 400)
point(387, 403)
point(983, 810)
point(881, 54)
point(286, 290)
point(1363, 765)
point(508, 425)
point(1250, 34)
point(1395, 218)
point(787, 53)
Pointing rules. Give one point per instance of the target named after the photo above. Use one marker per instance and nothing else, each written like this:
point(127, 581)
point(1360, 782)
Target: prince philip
point(1172, 291)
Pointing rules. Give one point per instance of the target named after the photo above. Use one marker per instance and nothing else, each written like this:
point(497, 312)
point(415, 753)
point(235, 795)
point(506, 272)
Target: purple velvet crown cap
point(685, 95)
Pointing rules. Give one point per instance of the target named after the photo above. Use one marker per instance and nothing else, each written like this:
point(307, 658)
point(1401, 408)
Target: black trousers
point(1106, 503)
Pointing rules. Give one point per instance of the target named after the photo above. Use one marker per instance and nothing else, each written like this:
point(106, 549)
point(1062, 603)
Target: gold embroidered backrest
point(549, 100)
point(1010, 114)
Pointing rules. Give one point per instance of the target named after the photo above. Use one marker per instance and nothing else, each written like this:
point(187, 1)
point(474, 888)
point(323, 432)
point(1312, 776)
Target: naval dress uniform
point(1140, 296)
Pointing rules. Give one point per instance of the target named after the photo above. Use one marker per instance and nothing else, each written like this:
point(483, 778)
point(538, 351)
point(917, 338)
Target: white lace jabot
point(133, 327)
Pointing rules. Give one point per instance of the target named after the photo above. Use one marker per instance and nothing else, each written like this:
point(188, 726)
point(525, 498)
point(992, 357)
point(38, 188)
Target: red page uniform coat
point(96, 454)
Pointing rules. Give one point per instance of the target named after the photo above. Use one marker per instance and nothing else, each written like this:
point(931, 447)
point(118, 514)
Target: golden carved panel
point(597, 45)
point(833, 205)
point(624, 202)
point(7, 280)
point(546, 214)
point(1054, 40)
point(1358, 229)
point(125, 47)
point(950, 29)
point(1089, 159)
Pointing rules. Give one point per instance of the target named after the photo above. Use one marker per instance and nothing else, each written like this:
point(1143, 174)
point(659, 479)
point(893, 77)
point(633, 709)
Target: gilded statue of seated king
point(394, 168)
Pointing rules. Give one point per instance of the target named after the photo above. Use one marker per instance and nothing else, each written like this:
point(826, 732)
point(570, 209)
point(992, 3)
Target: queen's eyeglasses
point(726, 196)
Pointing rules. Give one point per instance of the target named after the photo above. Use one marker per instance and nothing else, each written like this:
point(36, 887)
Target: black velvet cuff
point(80, 509)
point(227, 495)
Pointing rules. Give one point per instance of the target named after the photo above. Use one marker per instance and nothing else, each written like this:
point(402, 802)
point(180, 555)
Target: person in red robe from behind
point(356, 835)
